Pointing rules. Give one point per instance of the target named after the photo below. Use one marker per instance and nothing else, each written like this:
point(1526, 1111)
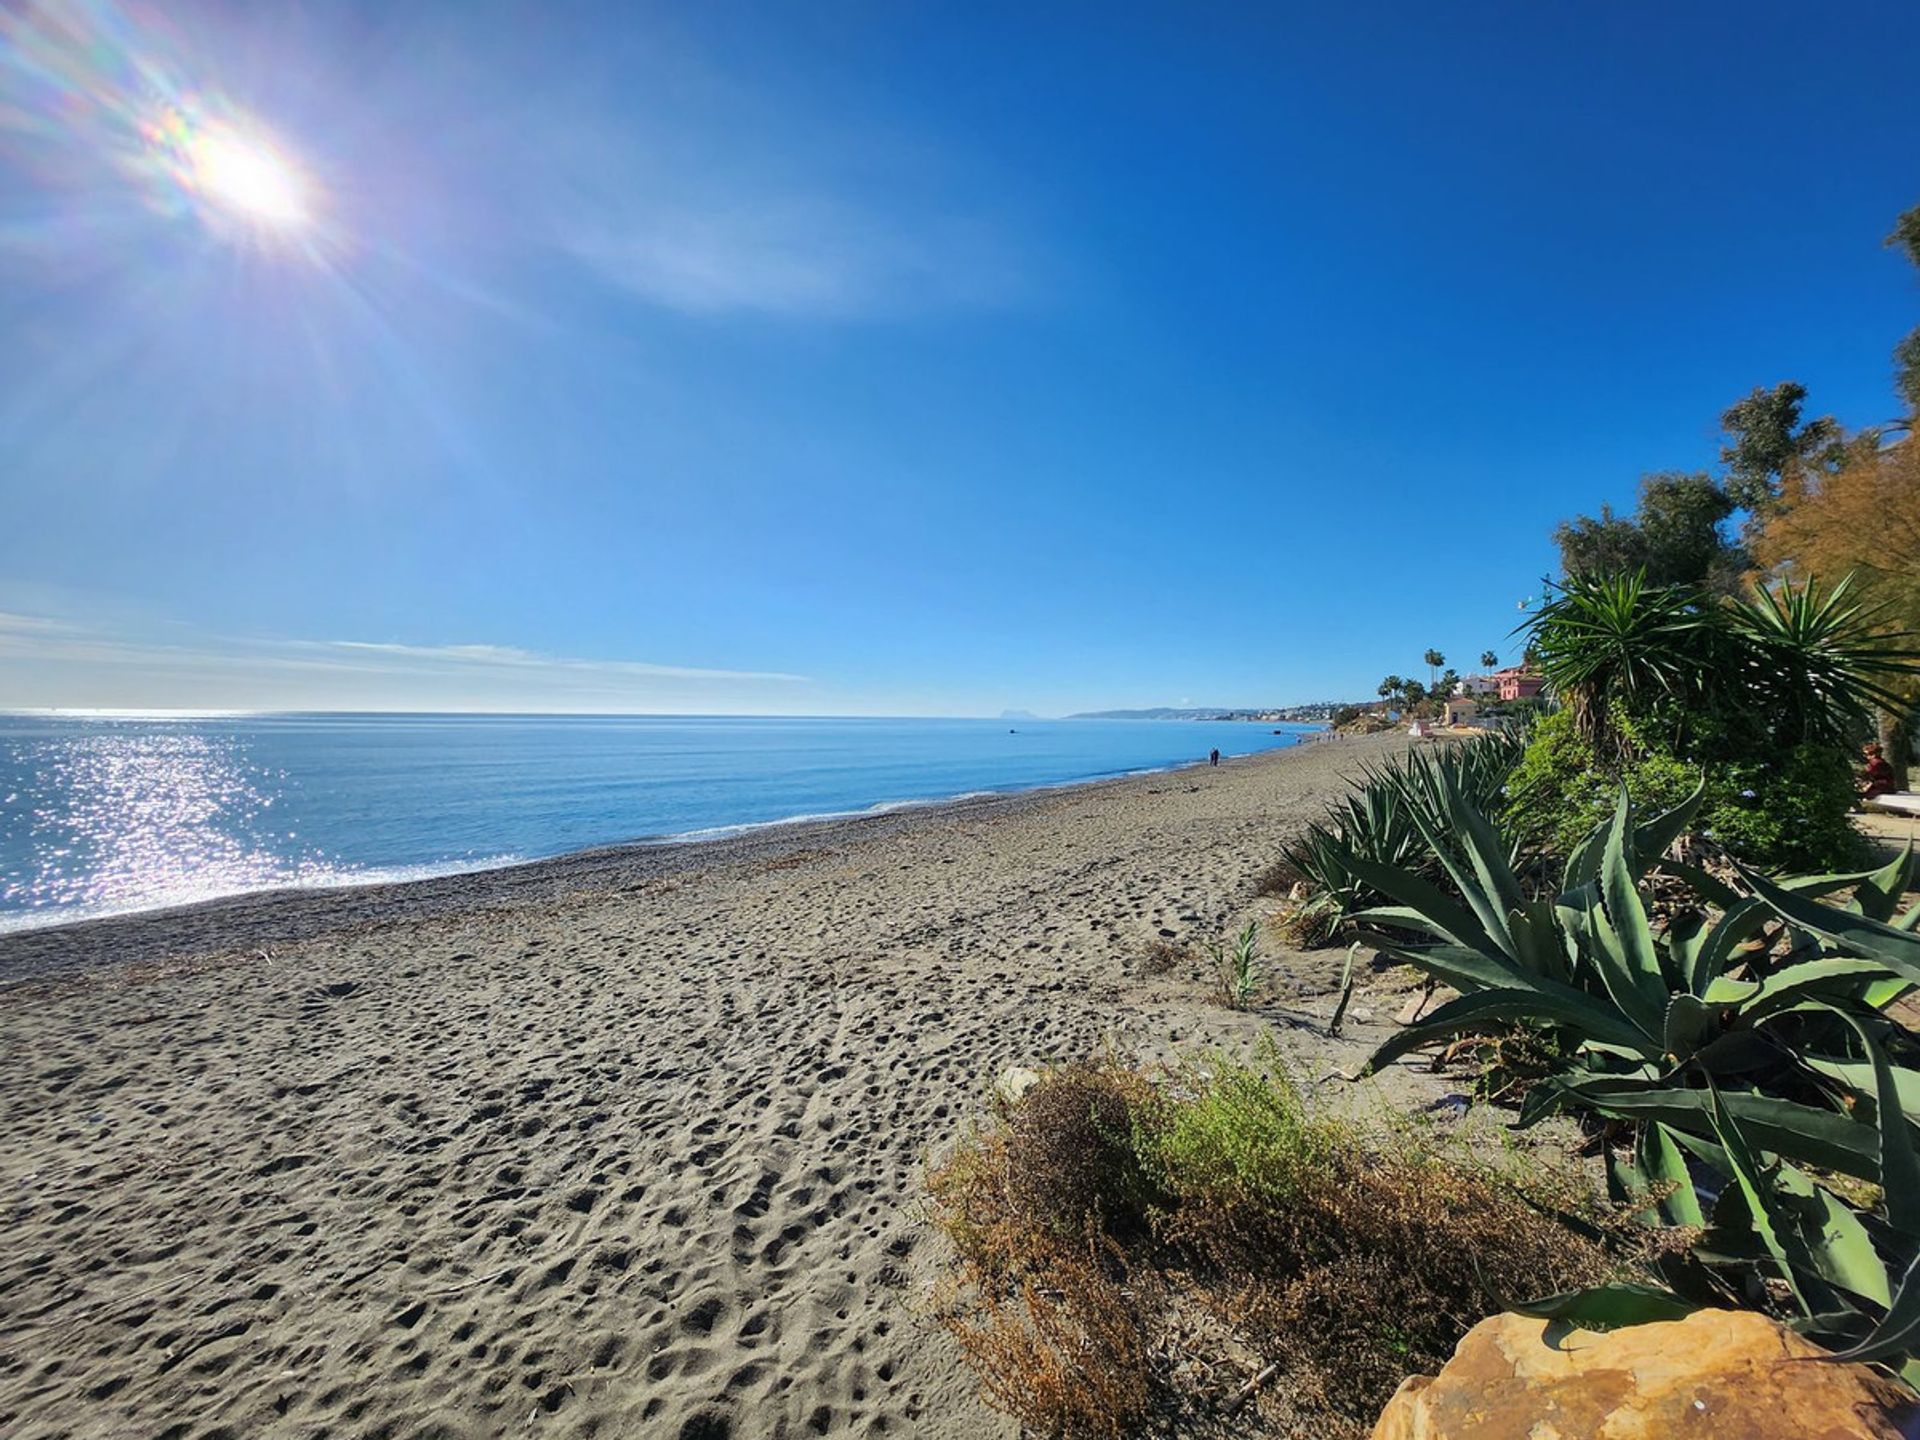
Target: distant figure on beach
point(1877, 777)
point(1214, 759)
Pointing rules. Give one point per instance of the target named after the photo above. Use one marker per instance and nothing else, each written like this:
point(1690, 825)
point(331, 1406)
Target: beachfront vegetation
point(1382, 822)
point(1142, 1251)
point(1663, 686)
point(1861, 518)
point(1813, 499)
point(1730, 1043)
point(1785, 815)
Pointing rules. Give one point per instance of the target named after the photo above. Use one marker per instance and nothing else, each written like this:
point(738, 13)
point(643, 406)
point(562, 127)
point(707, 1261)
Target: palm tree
point(1434, 661)
point(1390, 689)
point(1490, 659)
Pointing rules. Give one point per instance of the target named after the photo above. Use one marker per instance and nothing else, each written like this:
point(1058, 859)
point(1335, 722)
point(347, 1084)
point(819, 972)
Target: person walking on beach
point(1214, 758)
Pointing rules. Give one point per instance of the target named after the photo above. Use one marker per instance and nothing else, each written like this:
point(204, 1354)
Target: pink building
point(1516, 683)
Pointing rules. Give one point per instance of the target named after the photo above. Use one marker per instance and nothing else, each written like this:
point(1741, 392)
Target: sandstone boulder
point(1716, 1375)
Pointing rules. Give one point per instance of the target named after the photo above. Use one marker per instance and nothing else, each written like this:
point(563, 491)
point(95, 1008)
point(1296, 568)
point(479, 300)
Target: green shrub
point(1233, 1136)
point(1786, 815)
point(1791, 815)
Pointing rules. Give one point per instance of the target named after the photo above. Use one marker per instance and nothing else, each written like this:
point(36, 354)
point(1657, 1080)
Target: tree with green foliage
point(1675, 537)
point(1603, 544)
point(1906, 355)
point(1434, 661)
point(1767, 441)
point(1490, 659)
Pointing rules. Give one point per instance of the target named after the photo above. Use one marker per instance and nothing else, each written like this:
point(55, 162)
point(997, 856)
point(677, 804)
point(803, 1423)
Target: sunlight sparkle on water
point(126, 820)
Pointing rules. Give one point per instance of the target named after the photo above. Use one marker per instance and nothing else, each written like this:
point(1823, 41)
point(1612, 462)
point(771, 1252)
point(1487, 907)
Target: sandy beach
point(628, 1143)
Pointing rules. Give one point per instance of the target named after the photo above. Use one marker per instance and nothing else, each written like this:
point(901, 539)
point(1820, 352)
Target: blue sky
point(894, 358)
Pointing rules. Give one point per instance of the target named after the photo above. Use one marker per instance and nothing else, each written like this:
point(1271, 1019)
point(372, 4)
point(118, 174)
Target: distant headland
point(1318, 710)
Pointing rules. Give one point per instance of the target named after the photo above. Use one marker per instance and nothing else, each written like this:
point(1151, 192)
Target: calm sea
point(102, 815)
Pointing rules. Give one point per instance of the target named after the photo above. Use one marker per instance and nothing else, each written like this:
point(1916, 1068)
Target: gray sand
point(625, 1144)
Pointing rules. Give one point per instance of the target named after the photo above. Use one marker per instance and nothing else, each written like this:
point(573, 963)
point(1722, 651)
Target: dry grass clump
point(1165, 957)
point(1072, 1165)
point(1105, 1225)
point(1035, 1206)
point(1067, 1352)
point(1278, 879)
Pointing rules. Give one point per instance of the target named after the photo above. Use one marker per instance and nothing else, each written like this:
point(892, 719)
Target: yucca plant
point(1820, 662)
point(1794, 664)
point(1615, 640)
point(1748, 1060)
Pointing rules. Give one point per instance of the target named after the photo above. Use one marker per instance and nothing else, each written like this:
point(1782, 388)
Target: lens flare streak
point(98, 102)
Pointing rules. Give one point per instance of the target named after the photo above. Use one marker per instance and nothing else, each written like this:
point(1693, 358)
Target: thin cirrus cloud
point(53, 663)
point(803, 259)
point(713, 201)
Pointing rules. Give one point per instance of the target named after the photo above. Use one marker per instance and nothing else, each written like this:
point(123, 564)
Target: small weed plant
point(1237, 968)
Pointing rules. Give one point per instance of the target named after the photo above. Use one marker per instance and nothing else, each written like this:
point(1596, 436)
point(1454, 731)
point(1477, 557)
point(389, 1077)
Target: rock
point(1716, 1375)
point(1015, 1081)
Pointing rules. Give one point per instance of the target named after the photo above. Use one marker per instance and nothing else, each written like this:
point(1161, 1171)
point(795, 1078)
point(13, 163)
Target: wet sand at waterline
point(624, 1144)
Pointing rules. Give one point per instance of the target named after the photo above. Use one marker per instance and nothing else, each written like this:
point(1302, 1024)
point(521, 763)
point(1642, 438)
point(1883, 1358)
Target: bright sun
point(248, 178)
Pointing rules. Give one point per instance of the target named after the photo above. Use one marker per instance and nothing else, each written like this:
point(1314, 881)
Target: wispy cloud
point(798, 258)
point(57, 663)
point(509, 658)
point(12, 624)
point(696, 185)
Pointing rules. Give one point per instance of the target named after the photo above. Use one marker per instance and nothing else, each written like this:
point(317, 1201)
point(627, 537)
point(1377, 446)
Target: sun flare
point(249, 178)
point(234, 174)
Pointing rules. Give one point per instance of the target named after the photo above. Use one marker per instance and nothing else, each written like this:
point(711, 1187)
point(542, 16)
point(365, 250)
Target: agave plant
point(1749, 1059)
point(1377, 823)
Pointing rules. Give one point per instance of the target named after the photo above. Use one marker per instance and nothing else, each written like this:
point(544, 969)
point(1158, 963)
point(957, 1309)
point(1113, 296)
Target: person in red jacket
point(1877, 777)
